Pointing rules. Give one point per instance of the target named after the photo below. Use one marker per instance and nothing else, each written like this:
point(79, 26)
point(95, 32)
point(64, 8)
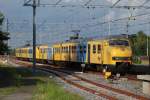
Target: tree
point(4, 36)
point(139, 43)
point(1, 18)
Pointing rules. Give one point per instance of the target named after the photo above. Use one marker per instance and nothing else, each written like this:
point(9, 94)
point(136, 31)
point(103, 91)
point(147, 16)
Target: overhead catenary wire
point(116, 3)
point(57, 4)
point(145, 2)
point(88, 2)
point(124, 18)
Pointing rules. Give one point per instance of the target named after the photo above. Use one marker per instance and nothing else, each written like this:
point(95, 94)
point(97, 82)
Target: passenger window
point(99, 48)
point(94, 48)
point(62, 50)
point(66, 49)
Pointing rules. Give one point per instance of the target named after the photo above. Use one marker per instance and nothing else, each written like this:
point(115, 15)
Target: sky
point(56, 22)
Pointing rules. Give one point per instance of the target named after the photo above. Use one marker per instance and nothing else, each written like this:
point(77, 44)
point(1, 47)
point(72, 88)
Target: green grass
point(7, 90)
point(13, 79)
point(52, 91)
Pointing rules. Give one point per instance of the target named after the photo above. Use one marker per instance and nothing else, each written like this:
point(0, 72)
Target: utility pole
point(7, 30)
point(148, 45)
point(33, 5)
point(127, 27)
point(7, 25)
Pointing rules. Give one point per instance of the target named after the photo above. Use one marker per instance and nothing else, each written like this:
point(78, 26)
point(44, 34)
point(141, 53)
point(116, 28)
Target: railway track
point(98, 89)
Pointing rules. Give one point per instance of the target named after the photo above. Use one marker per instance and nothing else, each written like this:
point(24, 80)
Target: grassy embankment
point(44, 88)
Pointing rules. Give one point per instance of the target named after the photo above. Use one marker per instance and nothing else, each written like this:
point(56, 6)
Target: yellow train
point(111, 54)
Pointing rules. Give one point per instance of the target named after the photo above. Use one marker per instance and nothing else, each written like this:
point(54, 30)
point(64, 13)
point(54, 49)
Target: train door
point(99, 52)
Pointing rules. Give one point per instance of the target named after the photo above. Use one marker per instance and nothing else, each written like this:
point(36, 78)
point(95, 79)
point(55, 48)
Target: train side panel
point(43, 50)
point(57, 52)
point(94, 52)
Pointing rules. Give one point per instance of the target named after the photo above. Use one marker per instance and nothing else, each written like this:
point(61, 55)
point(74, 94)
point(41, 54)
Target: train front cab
point(117, 55)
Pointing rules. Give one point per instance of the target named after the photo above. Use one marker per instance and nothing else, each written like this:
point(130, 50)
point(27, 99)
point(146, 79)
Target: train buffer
point(145, 84)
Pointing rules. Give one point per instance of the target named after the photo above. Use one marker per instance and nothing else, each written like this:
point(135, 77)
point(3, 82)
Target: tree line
point(139, 43)
point(4, 36)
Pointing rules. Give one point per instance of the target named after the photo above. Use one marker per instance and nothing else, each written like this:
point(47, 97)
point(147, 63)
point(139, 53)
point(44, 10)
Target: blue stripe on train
point(81, 52)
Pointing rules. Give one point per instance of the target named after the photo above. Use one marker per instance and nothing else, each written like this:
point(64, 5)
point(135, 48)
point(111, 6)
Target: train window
point(89, 47)
point(99, 48)
point(94, 48)
point(73, 49)
point(58, 50)
point(30, 50)
point(70, 49)
point(118, 42)
point(62, 49)
point(66, 49)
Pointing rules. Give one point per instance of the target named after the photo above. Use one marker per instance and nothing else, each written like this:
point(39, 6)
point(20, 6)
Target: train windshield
point(118, 42)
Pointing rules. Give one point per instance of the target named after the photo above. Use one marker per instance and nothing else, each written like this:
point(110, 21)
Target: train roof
point(73, 41)
point(32, 46)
